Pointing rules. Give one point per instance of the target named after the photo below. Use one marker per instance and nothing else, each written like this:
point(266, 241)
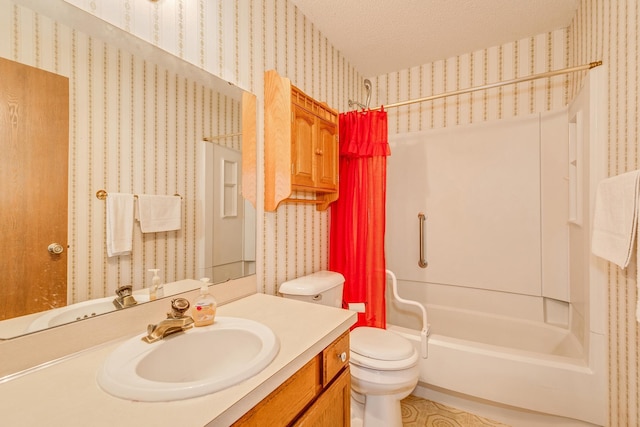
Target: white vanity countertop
point(67, 394)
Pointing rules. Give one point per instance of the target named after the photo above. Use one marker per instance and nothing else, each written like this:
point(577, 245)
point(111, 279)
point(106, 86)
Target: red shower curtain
point(358, 216)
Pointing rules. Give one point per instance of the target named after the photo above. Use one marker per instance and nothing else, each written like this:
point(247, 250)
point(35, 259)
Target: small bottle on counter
point(204, 307)
point(155, 285)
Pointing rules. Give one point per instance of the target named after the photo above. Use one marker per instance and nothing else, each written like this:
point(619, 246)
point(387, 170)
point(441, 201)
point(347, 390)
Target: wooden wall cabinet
point(319, 394)
point(301, 146)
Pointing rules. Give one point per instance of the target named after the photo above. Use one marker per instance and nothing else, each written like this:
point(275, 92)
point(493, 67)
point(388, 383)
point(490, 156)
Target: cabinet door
point(302, 147)
point(326, 156)
point(333, 407)
point(285, 403)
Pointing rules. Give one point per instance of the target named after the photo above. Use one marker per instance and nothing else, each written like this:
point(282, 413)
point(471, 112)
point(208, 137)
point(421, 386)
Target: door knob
point(55, 248)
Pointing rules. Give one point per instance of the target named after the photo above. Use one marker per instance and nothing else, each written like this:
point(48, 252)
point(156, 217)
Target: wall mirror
point(141, 121)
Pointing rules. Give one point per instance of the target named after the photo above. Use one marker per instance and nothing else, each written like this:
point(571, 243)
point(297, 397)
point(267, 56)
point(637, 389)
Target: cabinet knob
point(318, 152)
point(343, 356)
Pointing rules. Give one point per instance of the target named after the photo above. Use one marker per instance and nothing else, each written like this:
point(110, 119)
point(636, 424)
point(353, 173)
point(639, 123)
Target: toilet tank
point(323, 287)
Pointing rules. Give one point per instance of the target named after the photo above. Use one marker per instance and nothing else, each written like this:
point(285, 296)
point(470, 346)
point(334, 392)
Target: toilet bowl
point(384, 370)
point(384, 365)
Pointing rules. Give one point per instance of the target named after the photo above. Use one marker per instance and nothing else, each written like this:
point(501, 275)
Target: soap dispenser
point(203, 311)
point(156, 290)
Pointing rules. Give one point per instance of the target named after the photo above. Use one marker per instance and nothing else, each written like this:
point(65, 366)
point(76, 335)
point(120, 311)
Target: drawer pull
point(343, 356)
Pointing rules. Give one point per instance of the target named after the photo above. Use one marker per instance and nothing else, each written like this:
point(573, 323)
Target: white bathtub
point(523, 364)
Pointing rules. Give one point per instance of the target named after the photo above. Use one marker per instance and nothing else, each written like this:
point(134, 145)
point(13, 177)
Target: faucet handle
point(124, 291)
point(178, 307)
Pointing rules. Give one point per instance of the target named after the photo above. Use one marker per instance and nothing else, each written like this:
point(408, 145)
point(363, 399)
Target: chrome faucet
point(124, 298)
point(176, 321)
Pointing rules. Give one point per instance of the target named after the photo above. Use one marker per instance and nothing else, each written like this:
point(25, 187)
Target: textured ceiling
point(381, 36)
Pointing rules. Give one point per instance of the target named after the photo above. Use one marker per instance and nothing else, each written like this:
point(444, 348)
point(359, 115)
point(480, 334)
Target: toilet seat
point(380, 349)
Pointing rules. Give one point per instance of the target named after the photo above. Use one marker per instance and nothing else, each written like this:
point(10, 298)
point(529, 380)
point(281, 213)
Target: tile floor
point(418, 412)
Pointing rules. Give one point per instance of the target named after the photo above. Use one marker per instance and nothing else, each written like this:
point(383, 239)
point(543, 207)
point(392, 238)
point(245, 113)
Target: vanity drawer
point(334, 358)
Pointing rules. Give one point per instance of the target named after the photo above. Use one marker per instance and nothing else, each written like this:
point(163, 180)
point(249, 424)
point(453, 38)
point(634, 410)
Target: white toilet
point(384, 365)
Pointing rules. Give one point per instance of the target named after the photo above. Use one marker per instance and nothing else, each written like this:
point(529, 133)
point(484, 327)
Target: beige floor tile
point(418, 412)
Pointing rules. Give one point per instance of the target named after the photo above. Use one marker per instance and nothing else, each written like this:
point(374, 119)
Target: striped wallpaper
point(533, 55)
point(239, 40)
point(609, 30)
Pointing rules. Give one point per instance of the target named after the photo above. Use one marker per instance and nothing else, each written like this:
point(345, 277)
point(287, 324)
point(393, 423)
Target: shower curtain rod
point(497, 84)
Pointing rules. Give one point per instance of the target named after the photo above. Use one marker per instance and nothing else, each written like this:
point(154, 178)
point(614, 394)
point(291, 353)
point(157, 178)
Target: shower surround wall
point(246, 37)
point(495, 197)
point(497, 242)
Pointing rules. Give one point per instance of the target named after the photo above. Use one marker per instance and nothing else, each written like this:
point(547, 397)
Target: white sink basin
point(196, 362)
point(78, 311)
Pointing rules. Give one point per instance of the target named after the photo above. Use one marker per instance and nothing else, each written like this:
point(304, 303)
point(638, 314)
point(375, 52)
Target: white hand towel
point(159, 213)
point(615, 221)
point(119, 224)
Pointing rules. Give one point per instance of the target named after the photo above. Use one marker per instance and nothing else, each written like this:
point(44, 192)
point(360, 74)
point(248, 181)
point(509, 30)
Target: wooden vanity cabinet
point(301, 146)
point(319, 394)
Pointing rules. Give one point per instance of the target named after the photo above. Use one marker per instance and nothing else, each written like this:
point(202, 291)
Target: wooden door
point(34, 137)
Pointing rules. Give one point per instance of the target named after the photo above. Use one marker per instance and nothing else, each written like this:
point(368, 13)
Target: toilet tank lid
point(313, 284)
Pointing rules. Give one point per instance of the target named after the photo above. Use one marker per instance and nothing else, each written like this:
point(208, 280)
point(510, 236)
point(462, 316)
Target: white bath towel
point(616, 218)
point(159, 213)
point(615, 221)
point(119, 224)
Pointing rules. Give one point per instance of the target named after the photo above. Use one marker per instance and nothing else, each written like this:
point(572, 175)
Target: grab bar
point(422, 262)
point(425, 332)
